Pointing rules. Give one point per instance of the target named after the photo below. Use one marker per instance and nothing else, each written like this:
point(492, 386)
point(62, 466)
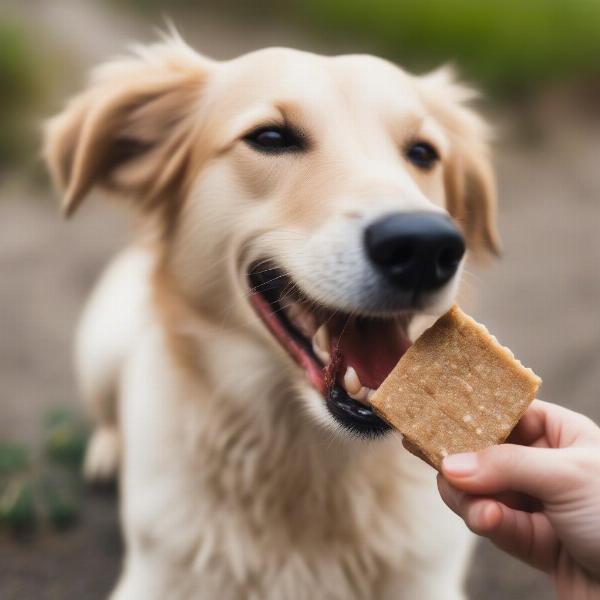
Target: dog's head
point(330, 200)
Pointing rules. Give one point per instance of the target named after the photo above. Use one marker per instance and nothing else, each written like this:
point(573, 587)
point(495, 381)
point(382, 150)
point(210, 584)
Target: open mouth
point(346, 357)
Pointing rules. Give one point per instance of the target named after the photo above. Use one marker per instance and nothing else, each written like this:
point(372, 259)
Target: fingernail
point(460, 465)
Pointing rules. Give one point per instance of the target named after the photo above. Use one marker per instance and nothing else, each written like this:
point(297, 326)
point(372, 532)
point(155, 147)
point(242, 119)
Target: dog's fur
point(235, 482)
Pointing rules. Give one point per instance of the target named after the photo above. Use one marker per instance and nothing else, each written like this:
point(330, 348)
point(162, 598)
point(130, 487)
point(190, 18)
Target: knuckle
point(584, 463)
point(500, 457)
point(573, 469)
point(506, 465)
point(591, 429)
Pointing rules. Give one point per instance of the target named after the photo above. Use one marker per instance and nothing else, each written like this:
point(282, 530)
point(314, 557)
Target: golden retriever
point(303, 218)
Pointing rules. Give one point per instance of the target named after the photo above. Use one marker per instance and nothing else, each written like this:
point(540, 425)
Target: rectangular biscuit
point(456, 389)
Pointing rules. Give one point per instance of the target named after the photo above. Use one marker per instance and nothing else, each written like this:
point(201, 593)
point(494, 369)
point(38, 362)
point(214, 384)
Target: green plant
point(65, 438)
point(20, 91)
point(45, 487)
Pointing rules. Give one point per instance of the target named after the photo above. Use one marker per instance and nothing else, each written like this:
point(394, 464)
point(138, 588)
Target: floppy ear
point(131, 129)
point(469, 177)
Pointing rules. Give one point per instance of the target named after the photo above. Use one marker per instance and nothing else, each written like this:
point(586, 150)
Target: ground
point(541, 299)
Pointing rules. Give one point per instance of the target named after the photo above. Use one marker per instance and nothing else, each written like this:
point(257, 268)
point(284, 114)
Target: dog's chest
point(237, 502)
point(273, 523)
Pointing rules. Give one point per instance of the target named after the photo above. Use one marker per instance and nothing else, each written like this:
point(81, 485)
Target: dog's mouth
point(346, 357)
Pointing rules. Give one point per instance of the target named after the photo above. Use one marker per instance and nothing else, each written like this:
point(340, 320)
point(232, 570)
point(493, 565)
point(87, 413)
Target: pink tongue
point(372, 347)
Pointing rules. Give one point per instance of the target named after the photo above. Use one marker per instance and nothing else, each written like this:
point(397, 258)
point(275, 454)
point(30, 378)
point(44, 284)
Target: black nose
point(415, 251)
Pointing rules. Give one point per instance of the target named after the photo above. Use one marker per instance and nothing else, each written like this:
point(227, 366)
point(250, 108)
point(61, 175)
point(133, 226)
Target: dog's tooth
point(308, 323)
point(321, 337)
point(370, 394)
point(322, 355)
point(302, 319)
point(361, 395)
point(352, 382)
point(292, 311)
point(320, 344)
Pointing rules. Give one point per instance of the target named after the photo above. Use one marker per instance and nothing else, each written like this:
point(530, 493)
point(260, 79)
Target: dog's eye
point(274, 140)
point(422, 155)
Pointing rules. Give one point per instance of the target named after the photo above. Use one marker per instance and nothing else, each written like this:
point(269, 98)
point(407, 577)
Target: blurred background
point(538, 63)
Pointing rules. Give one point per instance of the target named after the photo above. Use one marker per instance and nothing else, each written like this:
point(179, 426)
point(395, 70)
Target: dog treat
point(456, 389)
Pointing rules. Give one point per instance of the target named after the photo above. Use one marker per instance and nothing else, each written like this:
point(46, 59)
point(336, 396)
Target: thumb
point(542, 473)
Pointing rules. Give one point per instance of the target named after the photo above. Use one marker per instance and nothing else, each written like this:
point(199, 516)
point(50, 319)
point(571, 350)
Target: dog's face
point(327, 201)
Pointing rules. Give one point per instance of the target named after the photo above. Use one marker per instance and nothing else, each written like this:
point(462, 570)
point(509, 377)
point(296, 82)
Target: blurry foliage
point(43, 488)
point(65, 438)
point(16, 493)
point(508, 45)
point(21, 89)
point(13, 459)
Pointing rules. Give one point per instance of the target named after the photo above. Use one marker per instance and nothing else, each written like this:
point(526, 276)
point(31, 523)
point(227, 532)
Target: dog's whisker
point(295, 253)
point(268, 282)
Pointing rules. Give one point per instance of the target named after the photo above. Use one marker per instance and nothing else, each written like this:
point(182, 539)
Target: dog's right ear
point(469, 176)
point(131, 130)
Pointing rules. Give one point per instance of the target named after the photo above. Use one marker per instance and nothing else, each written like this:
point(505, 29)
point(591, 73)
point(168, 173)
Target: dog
point(302, 219)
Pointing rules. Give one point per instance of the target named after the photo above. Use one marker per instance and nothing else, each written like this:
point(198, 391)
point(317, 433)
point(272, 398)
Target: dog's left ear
point(469, 177)
point(132, 129)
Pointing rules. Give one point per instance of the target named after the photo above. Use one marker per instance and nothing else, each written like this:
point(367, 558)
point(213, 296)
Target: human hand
point(538, 496)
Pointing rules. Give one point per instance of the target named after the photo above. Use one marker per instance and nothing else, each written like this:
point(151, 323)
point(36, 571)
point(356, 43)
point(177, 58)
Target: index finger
point(551, 425)
point(532, 425)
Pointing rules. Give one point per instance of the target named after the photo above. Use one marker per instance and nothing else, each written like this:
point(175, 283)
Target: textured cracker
point(456, 389)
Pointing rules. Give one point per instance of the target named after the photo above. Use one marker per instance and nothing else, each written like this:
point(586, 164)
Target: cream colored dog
point(295, 238)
